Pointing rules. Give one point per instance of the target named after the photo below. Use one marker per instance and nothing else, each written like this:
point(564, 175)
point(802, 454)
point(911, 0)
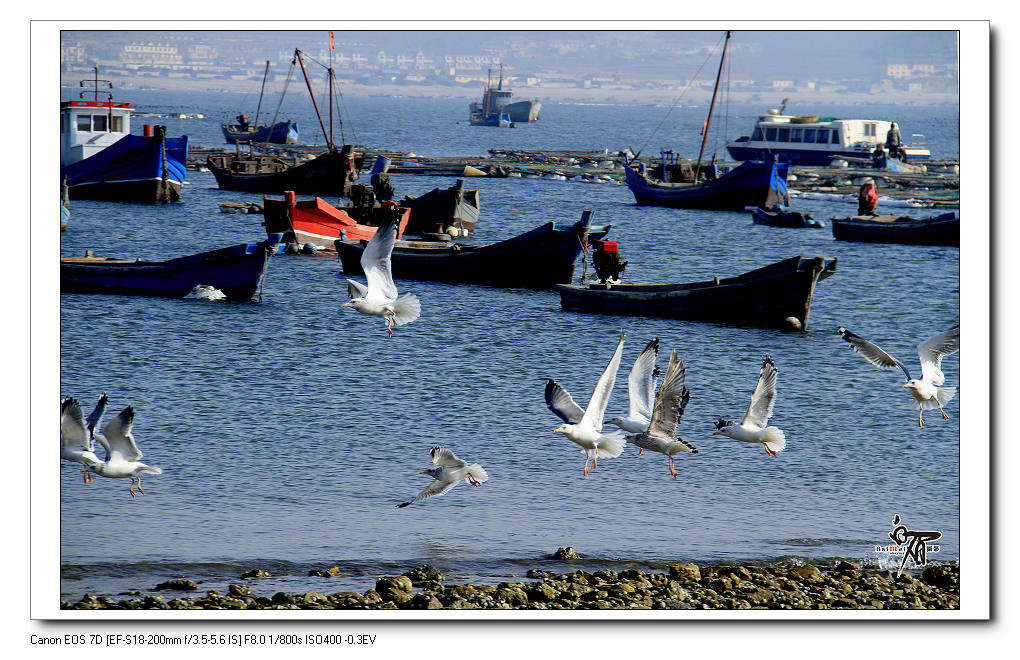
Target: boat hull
point(941, 230)
point(330, 173)
point(237, 271)
point(765, 297)
point(749, 184)
point(136, 168)
point(788, 219)
point(283, 132)
point(441, 208)
point(536, 259)
point(523, 111)
point(320, 223)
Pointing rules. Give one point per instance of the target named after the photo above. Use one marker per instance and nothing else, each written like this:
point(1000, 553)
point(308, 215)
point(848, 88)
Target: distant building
point(202, 55)
point(914, 70)
point(150, 54)
point(782, 84)
point(72, 54)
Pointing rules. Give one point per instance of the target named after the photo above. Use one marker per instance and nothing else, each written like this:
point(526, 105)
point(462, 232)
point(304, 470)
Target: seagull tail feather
point(406, 309)
point(148, 469)
point(943, 395)
point(775, 439)
point(477, 472)
point(612, 444)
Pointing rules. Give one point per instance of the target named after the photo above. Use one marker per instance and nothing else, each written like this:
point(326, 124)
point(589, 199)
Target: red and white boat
point(320, 223)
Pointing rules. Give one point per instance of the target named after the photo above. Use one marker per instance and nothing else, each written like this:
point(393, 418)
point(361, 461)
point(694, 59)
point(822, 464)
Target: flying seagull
point(379, 297)
point(451, 471)
point(641, 390)
point(77, 434)
point(753, 428)
point(670, 403)
point(927, 391)
point(122, 453)
point(584, 427)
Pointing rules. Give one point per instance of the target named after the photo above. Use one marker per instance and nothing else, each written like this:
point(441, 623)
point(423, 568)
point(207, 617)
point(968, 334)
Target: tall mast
point(330, 77)
point(261, 92)
point(708, 121)
point(329, 142)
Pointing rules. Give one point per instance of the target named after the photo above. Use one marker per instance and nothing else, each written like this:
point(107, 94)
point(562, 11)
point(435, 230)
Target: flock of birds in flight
point(651, 422)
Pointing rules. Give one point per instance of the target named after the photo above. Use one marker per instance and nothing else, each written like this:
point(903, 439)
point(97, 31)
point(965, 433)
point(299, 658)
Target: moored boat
point(496, 109)
point(320, 223)
point(282, 132)
point(938, 230)
point(789, 219)
point(442, 208)
point(766, 297)
point(535, 259)
point(237, 271)
point(331, 173)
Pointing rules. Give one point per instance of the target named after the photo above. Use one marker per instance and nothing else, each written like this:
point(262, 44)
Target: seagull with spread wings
point(753, 428)
point(641, 390)
point(928, 391)
point(584, 427)
point(670, 403)
point(77, 434)
point(379, 296)
point(451, 471)
point(122, 452)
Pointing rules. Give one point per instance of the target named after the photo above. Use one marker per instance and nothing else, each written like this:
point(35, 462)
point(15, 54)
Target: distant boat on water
point(282, 132)
point(496, 108)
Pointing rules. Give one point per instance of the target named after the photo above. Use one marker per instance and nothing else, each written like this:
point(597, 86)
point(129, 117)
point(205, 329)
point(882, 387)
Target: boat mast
point(329, 141)
point(330, 77)
point(258, 109)
point(708, 120)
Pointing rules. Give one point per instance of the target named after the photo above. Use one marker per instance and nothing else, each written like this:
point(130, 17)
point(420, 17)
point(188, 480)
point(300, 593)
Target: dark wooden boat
point(536, 259)
point(442, 208)
point(237, 271)
point(767, 297)
point(331, 173)
point(790, 219)
point(320, 223)
point(938, 230)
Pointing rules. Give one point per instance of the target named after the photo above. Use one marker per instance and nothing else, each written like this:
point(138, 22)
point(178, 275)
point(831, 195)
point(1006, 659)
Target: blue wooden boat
point(282, 132)
point(237, 271)
point(790, 219)
point(535, 259)
point(136, 168)
point(750, 184)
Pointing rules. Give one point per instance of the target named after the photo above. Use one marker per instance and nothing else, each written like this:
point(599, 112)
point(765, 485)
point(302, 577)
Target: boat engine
point(362, 196)
point(605, 258)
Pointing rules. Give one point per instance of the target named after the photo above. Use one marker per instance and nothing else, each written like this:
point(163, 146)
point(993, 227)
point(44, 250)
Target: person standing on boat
point(867, 197)
point(893, 142)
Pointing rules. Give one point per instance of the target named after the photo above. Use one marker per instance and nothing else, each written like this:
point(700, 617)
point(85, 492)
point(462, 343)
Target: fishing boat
point(320, 223)
point(938, 230)
point(682, 185)
point(101, 160)
point(283, 132)
point(496, 108)
point(443, 208)
point(535, 259)
point(778, 295)
point(789, 219)
point(237, 271)
point(330, 173)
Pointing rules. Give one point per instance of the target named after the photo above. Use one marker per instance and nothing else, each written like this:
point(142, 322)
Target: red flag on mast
point(331, 40)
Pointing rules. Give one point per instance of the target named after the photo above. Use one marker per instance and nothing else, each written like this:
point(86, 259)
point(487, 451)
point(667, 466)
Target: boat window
point(796, 135)
point(756, 136)
point(84, 122)
point(782, 135)
point(809, 134)
point(117, 125)
point(869, 130)
point(834, 138)
point(770, 135)
point(99, 122)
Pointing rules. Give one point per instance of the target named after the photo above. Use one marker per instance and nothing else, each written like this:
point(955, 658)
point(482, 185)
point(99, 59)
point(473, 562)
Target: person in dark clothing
point(242, 122)
point(893, 142)
point(878, 158)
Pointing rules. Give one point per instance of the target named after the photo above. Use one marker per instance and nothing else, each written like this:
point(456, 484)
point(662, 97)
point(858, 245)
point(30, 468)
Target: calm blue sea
point(289, 430)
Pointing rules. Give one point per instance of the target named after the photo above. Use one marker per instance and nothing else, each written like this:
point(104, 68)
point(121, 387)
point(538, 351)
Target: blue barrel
point(382, 163)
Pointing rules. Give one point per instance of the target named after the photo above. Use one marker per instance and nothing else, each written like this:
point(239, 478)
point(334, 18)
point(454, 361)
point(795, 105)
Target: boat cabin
point(88, 127)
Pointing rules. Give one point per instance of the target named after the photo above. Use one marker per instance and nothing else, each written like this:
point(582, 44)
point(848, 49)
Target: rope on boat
point(279, 105)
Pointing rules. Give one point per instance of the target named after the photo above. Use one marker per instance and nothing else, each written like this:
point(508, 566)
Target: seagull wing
point(375, 262)
point(446, 458)
point(73, 433)
point(933, 350)
point(641, 381)
point(92, 421)
point(600, 397)
point(671, 400)
point(764, 396)
point(872, 353)
point(356, 289)
point(118, 436)
point(435, 488)
point(561, 403)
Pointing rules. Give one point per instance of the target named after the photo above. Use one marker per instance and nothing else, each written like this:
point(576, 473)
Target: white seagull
point(927, 391)
point(641, 390)
point(122, 453)
point(584, 427)
point(670, 403)
point(77, 434)
point(379, 297)
point(753, 428)
point(451, 471)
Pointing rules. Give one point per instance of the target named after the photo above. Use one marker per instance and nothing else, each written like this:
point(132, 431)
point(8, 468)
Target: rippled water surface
point(288, 430)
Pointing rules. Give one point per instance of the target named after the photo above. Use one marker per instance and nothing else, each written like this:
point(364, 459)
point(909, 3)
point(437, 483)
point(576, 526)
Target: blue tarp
point(133, 157)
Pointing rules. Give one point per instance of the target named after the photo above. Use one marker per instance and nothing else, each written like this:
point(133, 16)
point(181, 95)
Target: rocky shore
point(833, 585)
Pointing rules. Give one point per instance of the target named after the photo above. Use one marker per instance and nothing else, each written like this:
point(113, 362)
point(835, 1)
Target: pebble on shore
point(842, 585)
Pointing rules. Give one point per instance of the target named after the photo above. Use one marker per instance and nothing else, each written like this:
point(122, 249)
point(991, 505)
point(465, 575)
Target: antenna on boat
point(711, 107)
point(95, 94)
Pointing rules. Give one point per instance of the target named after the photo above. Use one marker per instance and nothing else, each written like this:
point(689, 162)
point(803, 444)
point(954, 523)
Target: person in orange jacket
point(867, 198)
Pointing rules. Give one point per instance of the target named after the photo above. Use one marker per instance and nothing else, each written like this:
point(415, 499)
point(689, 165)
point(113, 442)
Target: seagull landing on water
point(927, 391)
point(379, 297)
point(670, 403)
point(753, 428)
point(122, 453)
point(641, 390)
point(78, 434)
point(584, 427)
point(451, 471)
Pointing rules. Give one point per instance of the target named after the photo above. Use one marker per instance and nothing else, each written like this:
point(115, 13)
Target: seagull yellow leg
point(587, 458)
point(920, 417)
point(140, 487)
point(596, 463)
point(131, 489)
point(640, 449)
point(944, 415)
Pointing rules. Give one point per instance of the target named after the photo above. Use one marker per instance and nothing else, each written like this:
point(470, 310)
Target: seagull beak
point(557, 431)
point(346, 304)
point(905, 385)
point(422, 472)
point(716, 433)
